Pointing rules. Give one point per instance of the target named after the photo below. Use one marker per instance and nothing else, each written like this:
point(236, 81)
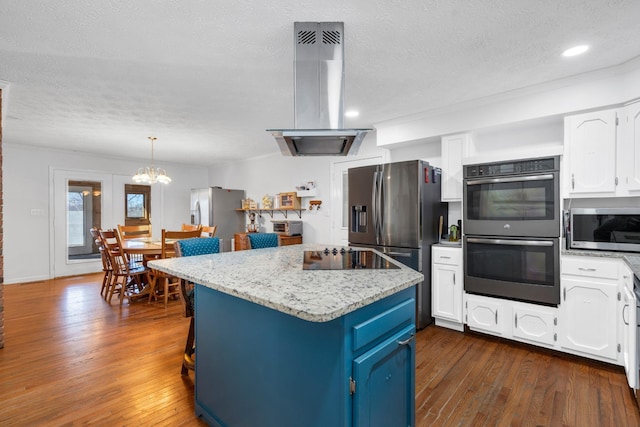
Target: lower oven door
point(523, 269)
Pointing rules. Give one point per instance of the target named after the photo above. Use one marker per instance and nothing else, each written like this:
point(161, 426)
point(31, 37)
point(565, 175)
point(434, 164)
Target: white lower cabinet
point(627, 319)
point(588, 319)
point(486, 314)
point(515, 320)
point(535, 324)
point(447, 287)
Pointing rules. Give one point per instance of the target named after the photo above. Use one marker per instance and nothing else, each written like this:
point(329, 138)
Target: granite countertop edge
point(631, 258)
point(280, 283)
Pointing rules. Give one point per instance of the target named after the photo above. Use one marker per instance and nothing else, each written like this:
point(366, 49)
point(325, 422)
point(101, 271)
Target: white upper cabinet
point(590, 154)
point(454, 147)
point(629, 152)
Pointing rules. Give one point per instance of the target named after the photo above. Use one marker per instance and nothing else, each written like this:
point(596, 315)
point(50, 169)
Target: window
point(137, 204)
point(84, 201)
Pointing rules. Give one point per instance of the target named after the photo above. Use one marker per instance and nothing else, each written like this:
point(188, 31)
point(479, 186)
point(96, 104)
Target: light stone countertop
point(274, 278)
point(632, 259)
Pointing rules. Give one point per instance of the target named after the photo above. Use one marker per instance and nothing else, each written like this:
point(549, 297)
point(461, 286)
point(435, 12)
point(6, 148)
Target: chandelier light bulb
point(151, 174)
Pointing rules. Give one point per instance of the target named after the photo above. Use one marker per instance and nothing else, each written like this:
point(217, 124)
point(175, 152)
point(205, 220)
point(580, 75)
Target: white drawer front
point(450, 256)
point(590, 267)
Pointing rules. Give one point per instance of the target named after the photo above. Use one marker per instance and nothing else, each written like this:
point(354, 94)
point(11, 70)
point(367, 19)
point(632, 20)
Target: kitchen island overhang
point(277, 345)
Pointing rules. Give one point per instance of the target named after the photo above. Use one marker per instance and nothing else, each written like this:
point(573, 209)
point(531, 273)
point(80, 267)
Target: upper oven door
point(521, 205)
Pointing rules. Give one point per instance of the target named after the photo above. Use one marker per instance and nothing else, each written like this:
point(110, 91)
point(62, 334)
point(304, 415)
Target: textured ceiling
point(208, 77)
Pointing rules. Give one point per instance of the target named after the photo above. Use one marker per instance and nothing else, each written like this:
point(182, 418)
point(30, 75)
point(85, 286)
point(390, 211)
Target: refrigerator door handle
point(374, 203)
point(379, 207)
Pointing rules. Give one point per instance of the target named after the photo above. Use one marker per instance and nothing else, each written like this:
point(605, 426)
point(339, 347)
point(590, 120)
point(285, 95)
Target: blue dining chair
point(192, 247)
point(263, 240)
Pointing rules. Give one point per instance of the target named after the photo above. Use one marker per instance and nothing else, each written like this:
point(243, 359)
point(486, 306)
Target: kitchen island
point(281, 346)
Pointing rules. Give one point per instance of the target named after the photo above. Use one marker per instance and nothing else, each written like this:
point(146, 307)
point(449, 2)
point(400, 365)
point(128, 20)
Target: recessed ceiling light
point(576, 50)
point(351, 113)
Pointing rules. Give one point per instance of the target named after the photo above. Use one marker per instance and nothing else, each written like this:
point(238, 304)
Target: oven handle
point(545, 177)
point(510, 242)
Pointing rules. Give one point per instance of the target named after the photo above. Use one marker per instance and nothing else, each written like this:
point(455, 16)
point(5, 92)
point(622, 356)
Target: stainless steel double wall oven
point(511, 223)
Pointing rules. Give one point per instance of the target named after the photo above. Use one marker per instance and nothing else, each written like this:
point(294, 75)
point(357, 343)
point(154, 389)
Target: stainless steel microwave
point(287, 228)
point(606, 229)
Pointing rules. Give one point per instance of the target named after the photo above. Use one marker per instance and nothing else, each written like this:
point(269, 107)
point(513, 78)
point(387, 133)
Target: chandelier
point(151, 175)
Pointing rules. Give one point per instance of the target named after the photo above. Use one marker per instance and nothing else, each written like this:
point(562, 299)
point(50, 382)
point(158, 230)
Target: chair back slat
point(170, 237)
point(134, 231)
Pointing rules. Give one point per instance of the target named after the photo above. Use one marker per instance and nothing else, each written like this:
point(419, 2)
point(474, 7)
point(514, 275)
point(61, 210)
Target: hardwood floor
point(71, 359)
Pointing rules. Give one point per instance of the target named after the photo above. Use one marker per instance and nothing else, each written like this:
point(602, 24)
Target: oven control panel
point(512, 167)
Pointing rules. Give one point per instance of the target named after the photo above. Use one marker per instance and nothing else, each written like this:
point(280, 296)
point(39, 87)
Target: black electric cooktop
point(344, 259)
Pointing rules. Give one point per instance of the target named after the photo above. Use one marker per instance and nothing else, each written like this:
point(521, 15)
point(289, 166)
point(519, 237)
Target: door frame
point(340, 234)
point(59, 263)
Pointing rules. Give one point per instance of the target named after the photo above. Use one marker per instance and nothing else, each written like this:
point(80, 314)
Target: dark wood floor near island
point(71, 359)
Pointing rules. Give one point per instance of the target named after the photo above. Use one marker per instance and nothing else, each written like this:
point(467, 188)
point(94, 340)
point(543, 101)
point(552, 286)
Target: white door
point(73, 208)
point(340, 197)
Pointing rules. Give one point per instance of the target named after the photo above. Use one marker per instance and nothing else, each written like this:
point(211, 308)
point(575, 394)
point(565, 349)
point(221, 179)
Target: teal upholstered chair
point(263, 240)
point(198, 246)
point(192, 247)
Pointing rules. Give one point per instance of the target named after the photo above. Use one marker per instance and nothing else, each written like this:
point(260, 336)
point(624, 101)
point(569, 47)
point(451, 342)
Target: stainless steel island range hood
point(318, 95)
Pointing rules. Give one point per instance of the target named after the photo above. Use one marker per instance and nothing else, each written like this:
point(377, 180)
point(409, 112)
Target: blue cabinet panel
point(385, 383)
point(259, 367)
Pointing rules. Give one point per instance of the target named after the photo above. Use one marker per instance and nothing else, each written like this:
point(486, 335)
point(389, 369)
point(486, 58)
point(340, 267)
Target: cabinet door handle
point(573, 182)
point(407, 341)
point(445, 257)
point(626, 307)
point(454, 279)
point(516, 318)
point(496, 317)
point(564, 294)
point(586, 269)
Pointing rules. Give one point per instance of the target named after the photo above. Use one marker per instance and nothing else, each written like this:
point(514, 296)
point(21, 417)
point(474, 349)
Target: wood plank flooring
point(71, 359)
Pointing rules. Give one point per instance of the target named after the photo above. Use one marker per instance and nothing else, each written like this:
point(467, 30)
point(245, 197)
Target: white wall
point(277, 173)
point(28, 215)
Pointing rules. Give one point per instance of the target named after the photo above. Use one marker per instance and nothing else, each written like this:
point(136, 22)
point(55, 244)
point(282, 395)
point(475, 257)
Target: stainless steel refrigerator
point(395, 208)
point(217, 206)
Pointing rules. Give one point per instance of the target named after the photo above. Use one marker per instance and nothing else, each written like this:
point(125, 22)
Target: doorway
point(84, 207)
point(340, 196)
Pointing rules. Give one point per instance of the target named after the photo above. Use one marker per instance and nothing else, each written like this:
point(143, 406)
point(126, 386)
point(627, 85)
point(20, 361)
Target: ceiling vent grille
point(306, 37)
point(331, 37)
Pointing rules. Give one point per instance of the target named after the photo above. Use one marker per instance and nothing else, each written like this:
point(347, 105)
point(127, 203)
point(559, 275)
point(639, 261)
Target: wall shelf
point(307, 193)
point(283, 211)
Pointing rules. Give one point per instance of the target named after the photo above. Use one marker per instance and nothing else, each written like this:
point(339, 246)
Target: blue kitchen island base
point(256, 366)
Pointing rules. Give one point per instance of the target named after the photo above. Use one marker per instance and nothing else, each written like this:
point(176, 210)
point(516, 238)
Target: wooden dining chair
point(134, 231)
point(128, 278)
point(106, 263)
point(171, 284)
point(192, 247)
point(209, 231)
point(191, 227)
point(128, 232)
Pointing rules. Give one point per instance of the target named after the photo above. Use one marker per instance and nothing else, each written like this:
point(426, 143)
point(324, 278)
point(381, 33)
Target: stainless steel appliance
point(607, 229)
point(515, 198)
point(217, 206)
point(511, 222)
point(520, 268)
point(287, 227)
point(343, 259)
point(395, 209)
point(318, 70)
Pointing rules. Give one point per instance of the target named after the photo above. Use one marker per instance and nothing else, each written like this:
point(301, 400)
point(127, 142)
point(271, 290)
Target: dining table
point(148, 248)
point(142, 246)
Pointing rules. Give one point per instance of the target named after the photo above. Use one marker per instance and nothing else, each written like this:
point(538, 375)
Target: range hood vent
point(318, 95)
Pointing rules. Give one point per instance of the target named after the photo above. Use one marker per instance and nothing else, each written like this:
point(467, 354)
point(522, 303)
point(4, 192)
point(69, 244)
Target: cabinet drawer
point(450, 256)
point(382, 324)
point(590, 267)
